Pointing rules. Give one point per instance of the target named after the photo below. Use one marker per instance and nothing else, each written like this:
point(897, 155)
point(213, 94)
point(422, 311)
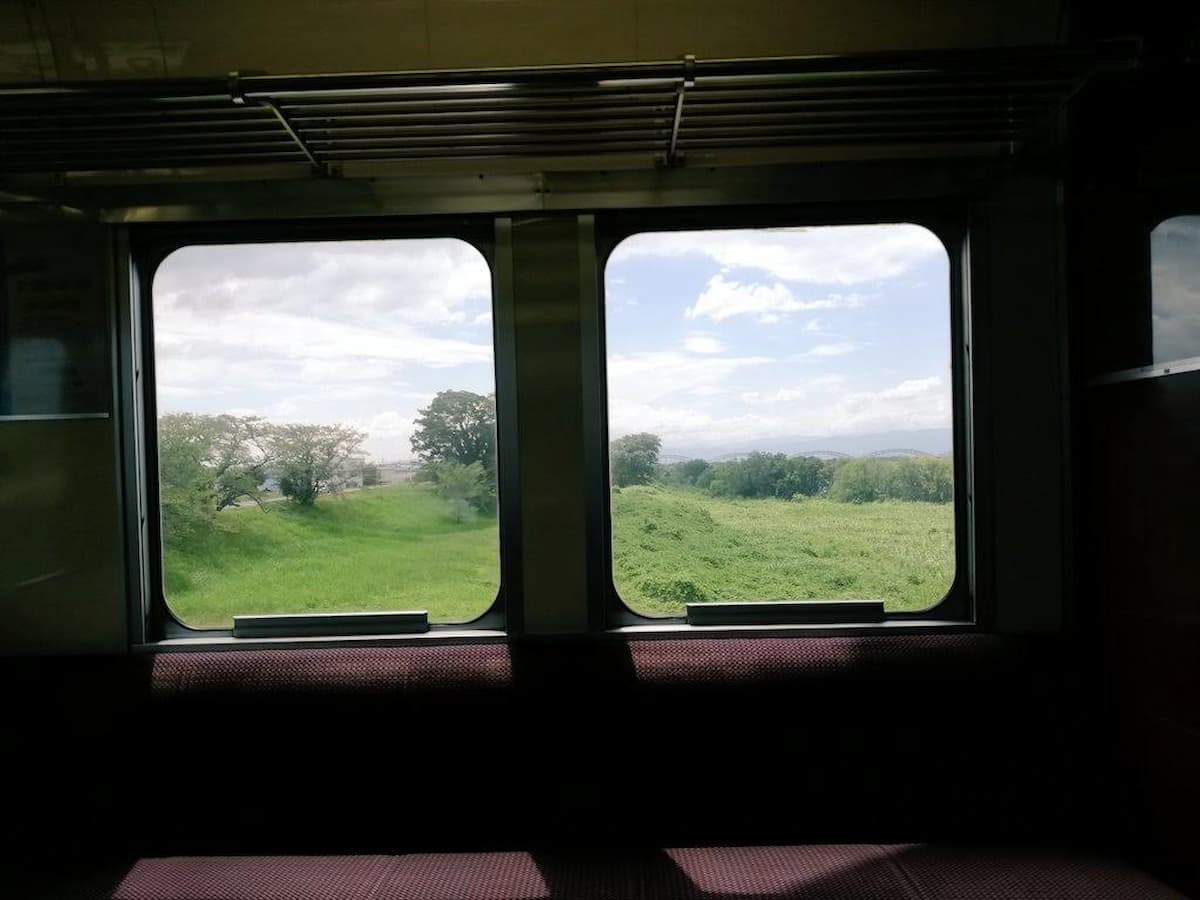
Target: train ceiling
point(49, 41)
point(664, 113)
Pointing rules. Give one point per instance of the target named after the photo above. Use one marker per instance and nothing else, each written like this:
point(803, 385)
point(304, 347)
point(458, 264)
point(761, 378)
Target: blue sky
point(724, 341)
point(718, 341)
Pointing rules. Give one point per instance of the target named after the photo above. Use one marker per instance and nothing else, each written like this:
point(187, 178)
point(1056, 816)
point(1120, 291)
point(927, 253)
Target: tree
point(805, 475)
point(684, 473)
point(311, 459)
point(861, 480)
point(240, 457)
point(457, 426)
point(464, 486)
point(693, 469)
point(370, 475)
point(632, 458)
point(927, 478)
point(207, 463)
point(186, 493)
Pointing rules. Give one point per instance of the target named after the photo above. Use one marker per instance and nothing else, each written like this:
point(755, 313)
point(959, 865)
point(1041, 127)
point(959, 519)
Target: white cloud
point(913, 387)
point(702, 343)
point(388, 435)
point(419, 281)
point(827, 351)
point(723, 299)
point(846, 254)
point(813, 388)
point(358, 332)
point(911, 404)
point(657, 375)
point(822, 406)
point(685, 427)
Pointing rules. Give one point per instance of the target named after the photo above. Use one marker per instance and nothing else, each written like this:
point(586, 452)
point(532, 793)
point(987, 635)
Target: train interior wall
point(1067, 718)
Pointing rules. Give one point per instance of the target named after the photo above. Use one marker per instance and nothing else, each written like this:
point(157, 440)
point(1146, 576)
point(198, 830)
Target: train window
point(780, 417)
point(326, 429)
point(1175, 288)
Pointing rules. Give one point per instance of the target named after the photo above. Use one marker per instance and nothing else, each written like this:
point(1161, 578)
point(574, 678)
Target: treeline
point(929, 479)
point(209, 462)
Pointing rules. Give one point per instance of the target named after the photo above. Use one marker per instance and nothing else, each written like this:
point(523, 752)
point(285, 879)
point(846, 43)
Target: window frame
point(151, 618)
point(949, 223)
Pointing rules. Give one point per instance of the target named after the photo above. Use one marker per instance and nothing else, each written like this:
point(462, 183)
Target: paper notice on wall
point(54, 350)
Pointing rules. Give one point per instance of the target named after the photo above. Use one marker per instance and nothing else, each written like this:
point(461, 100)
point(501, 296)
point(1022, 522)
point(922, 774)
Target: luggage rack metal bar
point(978, 96)
point(238, 97)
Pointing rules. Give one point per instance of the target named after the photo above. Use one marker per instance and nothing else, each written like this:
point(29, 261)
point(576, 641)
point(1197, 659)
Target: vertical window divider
point(508, 462)
point(591, 333)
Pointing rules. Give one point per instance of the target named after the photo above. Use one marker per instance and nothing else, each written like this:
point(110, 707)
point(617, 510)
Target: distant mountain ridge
point(928, 440)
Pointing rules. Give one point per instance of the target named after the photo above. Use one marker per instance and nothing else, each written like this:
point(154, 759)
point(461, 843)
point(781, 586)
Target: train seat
point(905, 766)
point(819, 872)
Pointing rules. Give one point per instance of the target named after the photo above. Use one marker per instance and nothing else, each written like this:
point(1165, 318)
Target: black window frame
point(152, 619)
point(949, 222)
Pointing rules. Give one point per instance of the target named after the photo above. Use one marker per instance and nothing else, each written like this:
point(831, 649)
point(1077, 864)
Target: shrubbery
point(924, 478)
point(928, 479)
point(468, 488)
point(209, 462)
point(633, 459)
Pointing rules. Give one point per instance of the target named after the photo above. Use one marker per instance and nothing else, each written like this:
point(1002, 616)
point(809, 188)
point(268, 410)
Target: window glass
point(780, 416)
point(1175, 288)
point(326, 429)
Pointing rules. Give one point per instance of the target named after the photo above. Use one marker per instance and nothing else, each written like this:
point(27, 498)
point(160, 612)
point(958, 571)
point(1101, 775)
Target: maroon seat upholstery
point(819, 872)
point(340, 770)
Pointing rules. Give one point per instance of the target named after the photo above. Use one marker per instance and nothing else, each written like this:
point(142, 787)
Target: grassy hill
point(673, 545)
point(392, 547)
point(396, 547)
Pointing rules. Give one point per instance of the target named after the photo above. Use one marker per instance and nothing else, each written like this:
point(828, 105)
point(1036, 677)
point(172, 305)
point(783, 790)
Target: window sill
point(220, 641)
point(676, 629)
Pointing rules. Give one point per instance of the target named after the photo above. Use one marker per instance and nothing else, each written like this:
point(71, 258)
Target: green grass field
point(392, 547)
point(672, 545)
point(396, 547)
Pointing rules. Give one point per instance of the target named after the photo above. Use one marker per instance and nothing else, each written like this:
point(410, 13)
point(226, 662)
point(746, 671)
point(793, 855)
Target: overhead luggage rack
point(992, 99)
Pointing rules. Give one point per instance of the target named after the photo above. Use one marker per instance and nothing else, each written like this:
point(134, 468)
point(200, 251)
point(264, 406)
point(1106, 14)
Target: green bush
point(928, 479)
point(769, 475)
point(633, 458)
point(467, 488)
point(683, 474)
point(675, 590)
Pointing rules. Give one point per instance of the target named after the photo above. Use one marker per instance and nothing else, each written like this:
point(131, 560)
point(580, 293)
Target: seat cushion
point(820, 872)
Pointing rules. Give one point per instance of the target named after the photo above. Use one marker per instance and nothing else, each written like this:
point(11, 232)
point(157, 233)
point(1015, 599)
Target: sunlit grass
point(397, 547)
point(383, 548)
point(673, 545)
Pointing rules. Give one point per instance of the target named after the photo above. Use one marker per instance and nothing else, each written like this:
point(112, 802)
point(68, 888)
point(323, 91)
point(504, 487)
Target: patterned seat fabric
point(817, 872)
point(348, 772)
